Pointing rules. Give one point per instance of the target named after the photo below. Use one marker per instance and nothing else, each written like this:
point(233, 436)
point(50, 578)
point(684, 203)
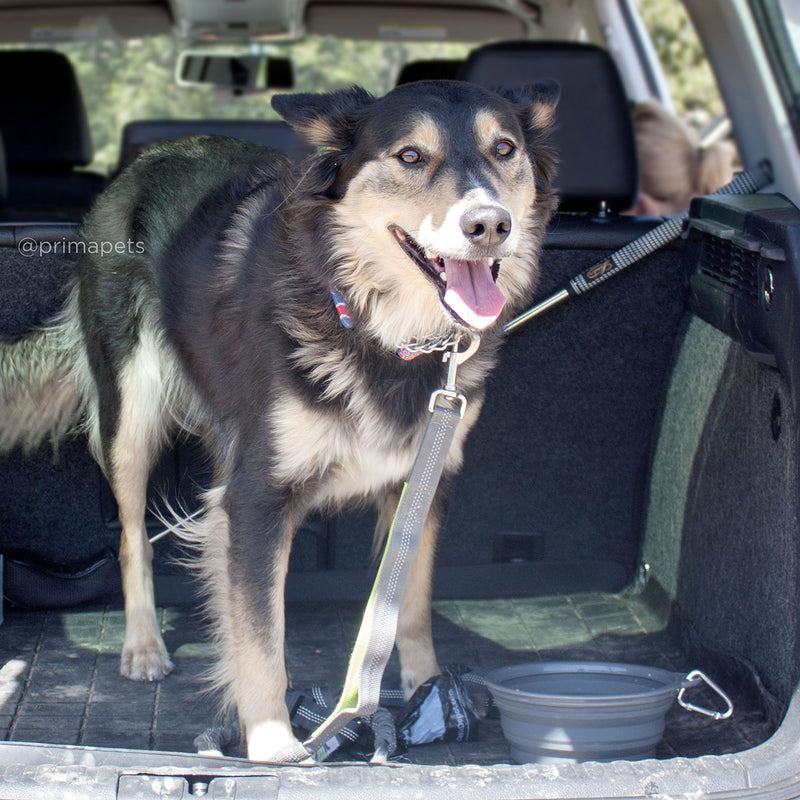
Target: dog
point(293, 315)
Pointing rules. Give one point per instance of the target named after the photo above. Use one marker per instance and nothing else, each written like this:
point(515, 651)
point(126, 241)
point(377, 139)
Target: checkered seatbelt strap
point(744, 183)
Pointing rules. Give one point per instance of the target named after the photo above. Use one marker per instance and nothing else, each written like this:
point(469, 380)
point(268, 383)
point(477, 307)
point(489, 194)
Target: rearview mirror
point(241, 73)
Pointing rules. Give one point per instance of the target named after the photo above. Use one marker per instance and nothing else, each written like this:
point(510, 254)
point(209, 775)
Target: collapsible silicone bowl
point(558, 711)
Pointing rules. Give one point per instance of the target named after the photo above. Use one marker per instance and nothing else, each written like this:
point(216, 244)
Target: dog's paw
point(273, 742)
point(411, 680)
point(145, 662)
point(423, 667)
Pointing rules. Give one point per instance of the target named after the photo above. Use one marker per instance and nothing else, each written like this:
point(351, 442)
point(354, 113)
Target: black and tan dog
point(280, 311)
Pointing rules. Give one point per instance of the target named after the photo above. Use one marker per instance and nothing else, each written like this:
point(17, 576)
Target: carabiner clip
point(454, 358)
point(691, 680)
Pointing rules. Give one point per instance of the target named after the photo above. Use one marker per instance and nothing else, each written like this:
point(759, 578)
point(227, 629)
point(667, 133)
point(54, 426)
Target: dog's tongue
point(472, 293)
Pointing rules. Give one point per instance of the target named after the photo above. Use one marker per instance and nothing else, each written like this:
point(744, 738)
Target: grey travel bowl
point(564, 712)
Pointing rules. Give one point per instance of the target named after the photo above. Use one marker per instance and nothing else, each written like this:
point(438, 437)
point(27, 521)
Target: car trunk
point(629, 495)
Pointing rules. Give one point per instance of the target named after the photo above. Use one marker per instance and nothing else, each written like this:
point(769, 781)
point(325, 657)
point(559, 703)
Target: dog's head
point(439, 193)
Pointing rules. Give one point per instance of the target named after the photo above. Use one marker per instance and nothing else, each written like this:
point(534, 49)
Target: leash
point(745, 183)
point(362, 685)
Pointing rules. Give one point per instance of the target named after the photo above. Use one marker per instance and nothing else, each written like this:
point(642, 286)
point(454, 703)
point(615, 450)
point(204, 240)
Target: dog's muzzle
point(466, 286)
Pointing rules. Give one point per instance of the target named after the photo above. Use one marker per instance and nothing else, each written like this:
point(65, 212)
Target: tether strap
point(744, 183)
point(361, 693)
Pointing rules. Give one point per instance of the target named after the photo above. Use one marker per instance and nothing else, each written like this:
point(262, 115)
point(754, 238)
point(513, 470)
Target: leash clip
point(454, 358)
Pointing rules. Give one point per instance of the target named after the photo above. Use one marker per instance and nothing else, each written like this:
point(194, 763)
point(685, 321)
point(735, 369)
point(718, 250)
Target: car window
point(693, 88)
point(779, 24)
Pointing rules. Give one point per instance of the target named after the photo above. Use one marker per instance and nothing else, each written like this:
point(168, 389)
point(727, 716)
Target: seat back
point(139, 134)
point(598, 166)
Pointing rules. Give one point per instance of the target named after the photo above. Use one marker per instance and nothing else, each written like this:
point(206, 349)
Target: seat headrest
point(594, 132)
point(429, 70)
point(41, 112)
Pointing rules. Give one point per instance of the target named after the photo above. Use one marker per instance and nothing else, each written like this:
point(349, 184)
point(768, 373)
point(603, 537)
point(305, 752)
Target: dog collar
point(407, 351)
point(342, 309)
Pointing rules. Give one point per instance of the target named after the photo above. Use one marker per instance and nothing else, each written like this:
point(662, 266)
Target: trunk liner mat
point(60, 682)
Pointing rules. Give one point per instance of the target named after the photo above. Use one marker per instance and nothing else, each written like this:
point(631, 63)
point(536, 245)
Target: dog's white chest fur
point(351, 455)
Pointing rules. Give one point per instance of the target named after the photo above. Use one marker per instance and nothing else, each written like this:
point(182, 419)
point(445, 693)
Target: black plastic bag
point(441, 710)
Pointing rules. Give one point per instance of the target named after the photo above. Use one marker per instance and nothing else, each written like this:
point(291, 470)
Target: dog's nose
point(486, 225)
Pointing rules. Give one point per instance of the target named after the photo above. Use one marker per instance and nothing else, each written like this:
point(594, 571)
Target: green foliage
point(688, 73)
point(122, 81)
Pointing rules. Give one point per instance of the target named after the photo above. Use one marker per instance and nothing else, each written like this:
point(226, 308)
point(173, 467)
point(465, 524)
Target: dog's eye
point(410, 156)
point(503, 148)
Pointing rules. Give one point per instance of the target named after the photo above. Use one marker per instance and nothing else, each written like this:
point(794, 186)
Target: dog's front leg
point(414, 638)
point(258, 557)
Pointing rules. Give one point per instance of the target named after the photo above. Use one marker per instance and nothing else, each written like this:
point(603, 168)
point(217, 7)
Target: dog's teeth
point(443, 277)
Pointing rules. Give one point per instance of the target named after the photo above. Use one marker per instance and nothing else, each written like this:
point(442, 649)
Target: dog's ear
point(537, 101)
point(536, 105)
point(324, 120)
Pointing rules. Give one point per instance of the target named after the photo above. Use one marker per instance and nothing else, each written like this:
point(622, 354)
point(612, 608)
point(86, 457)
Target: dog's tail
point(41, 387)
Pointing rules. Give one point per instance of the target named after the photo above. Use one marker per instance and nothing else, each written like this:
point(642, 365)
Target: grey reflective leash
point(744, 183)
point(375, 640)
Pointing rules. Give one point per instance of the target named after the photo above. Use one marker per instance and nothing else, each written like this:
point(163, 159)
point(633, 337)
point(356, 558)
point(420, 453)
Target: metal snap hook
point(454, 358)
point(691, 680)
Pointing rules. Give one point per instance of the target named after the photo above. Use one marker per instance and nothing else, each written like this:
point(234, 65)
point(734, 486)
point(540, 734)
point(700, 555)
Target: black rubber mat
point(60, 683)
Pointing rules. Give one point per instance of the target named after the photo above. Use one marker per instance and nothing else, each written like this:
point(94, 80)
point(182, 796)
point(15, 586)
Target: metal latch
point(187, 787)
point(693, 679)
point(454, 358)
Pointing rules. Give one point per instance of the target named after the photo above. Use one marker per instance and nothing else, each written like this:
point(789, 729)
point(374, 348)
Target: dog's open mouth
point(467, 288)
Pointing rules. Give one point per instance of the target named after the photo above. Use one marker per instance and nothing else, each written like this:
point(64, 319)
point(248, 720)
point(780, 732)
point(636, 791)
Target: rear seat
point(517, 457)
point(140, 134)
point(46, 136)
point(576, 393)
